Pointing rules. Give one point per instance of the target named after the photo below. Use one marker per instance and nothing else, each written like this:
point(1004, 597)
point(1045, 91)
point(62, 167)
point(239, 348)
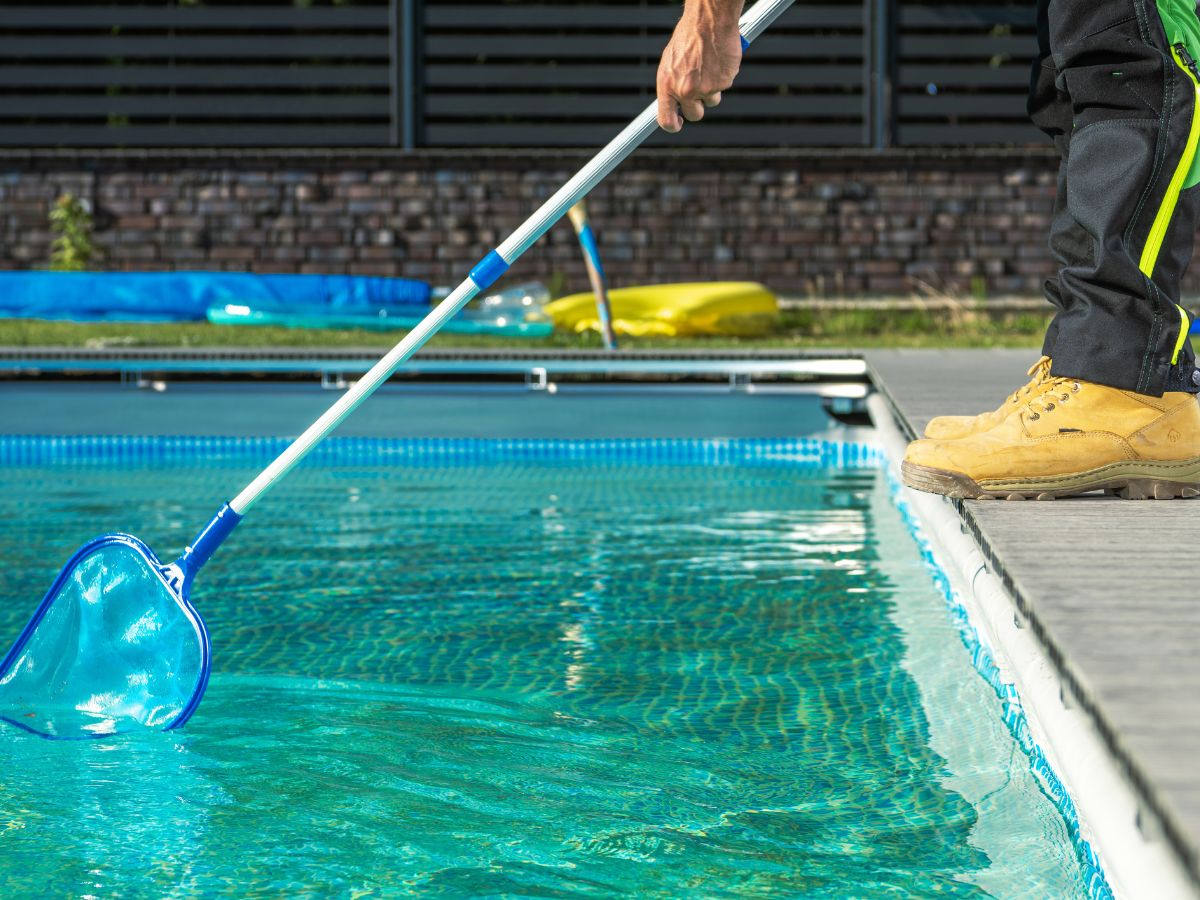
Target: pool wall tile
point(142, 450)
point(1014, 715)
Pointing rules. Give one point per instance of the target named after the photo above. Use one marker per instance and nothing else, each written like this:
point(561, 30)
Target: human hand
point(701, 61)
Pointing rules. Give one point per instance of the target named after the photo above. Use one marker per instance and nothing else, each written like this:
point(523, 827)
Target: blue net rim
point(172, 586)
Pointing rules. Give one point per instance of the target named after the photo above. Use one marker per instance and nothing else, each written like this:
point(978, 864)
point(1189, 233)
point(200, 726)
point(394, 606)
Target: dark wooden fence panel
point(962, 72)
point(497, 73)
point(562, 73)
point(257, 73)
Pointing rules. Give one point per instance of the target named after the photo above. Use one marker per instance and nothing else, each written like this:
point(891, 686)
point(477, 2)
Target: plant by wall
point(73, 248)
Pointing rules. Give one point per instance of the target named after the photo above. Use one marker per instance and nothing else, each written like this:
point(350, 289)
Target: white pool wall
point(1113, 819)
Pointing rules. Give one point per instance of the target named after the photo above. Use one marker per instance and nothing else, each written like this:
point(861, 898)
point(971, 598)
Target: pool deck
point(1109, 586)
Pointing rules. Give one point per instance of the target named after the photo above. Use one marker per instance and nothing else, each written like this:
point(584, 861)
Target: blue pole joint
point(745, 43)
point(489, 270)
point(206, 543)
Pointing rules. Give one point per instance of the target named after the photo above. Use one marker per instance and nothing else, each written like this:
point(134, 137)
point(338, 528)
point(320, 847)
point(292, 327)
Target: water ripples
point(538, 681)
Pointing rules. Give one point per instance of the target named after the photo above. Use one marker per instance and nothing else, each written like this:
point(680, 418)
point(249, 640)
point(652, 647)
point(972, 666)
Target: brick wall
point(806, 223)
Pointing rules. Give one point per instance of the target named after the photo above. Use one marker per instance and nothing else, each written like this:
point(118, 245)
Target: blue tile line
point(139, 450)
point(1096, 883)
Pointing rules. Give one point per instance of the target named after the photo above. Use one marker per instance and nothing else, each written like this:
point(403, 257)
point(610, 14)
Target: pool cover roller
point(116, 643)
point(186, 296)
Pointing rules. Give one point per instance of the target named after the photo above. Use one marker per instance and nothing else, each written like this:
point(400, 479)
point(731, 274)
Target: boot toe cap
point(927, 452)
point(948, 428)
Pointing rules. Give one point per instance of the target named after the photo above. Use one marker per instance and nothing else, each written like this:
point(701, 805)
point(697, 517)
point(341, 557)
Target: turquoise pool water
point(563, 678)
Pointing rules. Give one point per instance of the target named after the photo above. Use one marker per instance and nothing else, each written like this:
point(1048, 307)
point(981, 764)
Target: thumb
point(668, 112)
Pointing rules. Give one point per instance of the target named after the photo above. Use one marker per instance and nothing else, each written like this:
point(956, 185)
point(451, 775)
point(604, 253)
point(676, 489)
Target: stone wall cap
point(824, 155)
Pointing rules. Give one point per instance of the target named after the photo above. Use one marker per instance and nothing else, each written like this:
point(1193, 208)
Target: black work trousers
point(1119, 106)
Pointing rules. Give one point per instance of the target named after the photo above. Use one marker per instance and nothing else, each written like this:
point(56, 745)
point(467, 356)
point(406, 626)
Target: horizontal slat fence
point(962, 72)
point(521, 73)
point(196, 74)
point(556, 74)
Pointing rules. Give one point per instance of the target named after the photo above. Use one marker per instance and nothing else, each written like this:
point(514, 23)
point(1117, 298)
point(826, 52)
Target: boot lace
point(1039, 372)
point(1055, 392)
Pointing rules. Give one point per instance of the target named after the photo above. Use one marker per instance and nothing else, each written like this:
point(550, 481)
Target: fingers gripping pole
point(752, 24)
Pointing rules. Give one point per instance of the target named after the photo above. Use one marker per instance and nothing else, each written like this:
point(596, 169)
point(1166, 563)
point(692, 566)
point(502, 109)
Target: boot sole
point(1127, 480)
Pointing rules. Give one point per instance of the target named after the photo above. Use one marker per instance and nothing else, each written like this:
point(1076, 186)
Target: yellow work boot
point(951, 428)
point(1070, 438)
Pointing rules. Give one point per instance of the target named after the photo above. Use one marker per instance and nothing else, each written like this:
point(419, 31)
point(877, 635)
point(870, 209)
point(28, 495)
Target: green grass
point(796, 329)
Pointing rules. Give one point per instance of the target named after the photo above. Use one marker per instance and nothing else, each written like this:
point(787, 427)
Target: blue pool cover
point(186, 296)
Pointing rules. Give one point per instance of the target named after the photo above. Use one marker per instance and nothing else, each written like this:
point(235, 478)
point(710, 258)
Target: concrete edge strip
point(20, 353)
point(1070, 753)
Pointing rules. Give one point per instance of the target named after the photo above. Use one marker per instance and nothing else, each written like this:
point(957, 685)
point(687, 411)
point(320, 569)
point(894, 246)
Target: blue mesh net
point(112, 648)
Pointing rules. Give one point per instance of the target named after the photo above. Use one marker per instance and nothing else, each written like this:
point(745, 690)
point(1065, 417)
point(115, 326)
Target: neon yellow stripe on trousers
point(1162, 221)
point(1184, 328)
point(1158, 232)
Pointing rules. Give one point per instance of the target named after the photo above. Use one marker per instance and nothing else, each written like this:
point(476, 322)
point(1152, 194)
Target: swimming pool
point(687, 652)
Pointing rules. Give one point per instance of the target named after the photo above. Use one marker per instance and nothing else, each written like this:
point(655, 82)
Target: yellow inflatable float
point(737, 308)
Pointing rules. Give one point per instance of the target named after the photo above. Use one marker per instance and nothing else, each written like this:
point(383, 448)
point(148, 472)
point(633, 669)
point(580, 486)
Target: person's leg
point(1127, 218)
point(1119, 410)
point(1049, 107)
